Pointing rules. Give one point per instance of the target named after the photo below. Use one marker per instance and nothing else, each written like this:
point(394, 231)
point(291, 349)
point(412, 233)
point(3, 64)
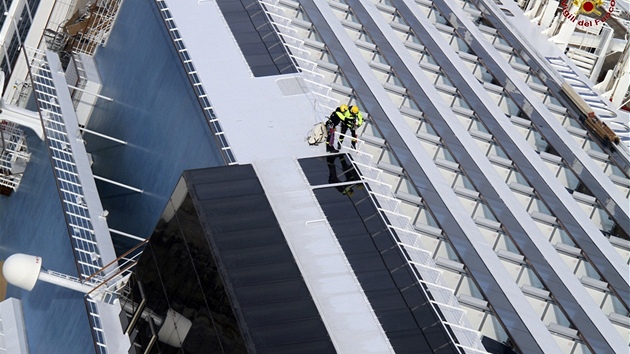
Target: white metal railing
point(60, 13)
point(64, 166)
point(442, 298)
point(606, 35)
point(98, 333)
point(81, 82)
point(112, 282)
point(66, 173)
point(323, 104)
point(103, 14)
point(14, 154)
point(108, 290)
point(197, 85)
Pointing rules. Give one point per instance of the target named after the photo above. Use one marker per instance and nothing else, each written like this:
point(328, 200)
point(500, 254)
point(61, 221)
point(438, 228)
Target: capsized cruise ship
point(484, 207)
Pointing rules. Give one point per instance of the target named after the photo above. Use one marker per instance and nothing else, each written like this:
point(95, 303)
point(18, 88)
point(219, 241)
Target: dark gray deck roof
point(271, 301)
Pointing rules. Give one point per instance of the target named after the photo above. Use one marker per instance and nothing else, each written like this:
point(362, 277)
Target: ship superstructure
point(483, 115)
point(496, 178)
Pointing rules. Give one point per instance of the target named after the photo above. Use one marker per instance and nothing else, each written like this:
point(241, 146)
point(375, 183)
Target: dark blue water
point(155, 110)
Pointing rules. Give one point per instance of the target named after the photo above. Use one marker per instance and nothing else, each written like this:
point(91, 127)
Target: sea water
point(154, 109)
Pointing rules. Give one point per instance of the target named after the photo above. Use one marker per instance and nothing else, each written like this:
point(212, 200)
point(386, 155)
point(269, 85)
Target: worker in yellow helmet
point(337, 116)
point(351, 121)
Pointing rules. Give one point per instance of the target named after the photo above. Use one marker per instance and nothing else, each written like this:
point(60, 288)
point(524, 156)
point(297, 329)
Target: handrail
point(461, 341)
point(88, 234)
point(300, 56)
point(66, 170)
point(206, 107)
point(120, 258)
point(13, 149)
point(105, 14)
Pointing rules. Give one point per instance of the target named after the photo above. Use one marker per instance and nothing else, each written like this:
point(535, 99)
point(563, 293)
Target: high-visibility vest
point(337, 116)
point(350, 120)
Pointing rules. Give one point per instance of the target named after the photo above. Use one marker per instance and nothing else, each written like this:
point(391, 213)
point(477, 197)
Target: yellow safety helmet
point(354, 110)
point(343, 108)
